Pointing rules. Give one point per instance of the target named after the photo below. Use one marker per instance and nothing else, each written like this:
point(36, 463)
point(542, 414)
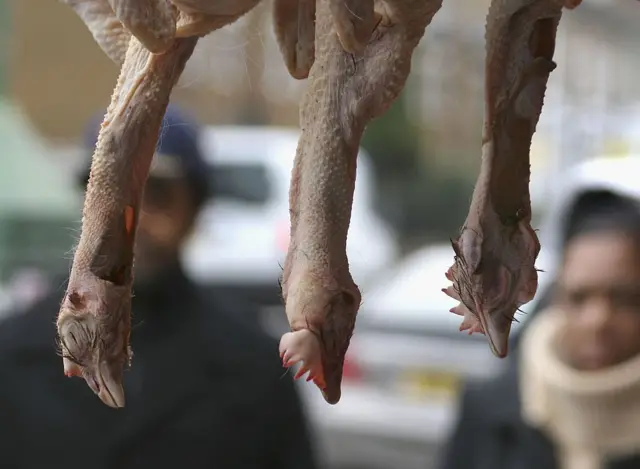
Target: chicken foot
point(94, 320)
point(345, 92)
point(494, 268)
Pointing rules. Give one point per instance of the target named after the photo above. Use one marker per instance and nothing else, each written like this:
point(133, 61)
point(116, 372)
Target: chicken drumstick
point(345, 91)
point(95, 318)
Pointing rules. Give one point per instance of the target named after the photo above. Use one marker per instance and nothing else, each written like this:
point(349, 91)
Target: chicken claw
point(469, 321)
point(303, 347)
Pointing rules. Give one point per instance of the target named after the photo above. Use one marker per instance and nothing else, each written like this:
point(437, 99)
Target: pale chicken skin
point(357, 56)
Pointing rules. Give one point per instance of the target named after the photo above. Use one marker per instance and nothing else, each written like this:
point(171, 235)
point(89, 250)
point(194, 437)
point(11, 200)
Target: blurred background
point(417, 168)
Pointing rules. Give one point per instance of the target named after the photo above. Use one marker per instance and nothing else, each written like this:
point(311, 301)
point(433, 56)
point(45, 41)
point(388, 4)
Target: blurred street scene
point(407, 362)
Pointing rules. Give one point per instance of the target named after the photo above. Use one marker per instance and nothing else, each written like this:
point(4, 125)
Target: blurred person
point(206, 388)
point(570, 397)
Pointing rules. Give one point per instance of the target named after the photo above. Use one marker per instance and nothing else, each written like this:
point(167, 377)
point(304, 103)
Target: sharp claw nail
point(303, 369)
point(450, 291)
point(286, 358)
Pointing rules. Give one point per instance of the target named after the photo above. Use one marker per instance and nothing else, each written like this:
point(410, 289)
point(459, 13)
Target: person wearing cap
point(206, 388)
point(570, 395)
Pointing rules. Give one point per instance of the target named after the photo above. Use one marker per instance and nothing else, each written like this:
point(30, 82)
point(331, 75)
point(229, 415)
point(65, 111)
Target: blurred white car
point(242, 236)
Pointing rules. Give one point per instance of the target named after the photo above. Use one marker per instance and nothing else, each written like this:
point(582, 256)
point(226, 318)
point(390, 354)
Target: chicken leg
point(494, 269)
point(345, 92)
point(95, 319)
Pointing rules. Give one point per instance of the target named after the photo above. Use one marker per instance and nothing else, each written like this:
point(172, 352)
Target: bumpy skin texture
point(95, 318)
point(357, 56)
point(94, 321)
point(494, 272)
point(344, 93)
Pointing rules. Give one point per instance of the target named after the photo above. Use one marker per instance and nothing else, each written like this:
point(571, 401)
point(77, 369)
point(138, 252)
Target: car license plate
point(422, 384)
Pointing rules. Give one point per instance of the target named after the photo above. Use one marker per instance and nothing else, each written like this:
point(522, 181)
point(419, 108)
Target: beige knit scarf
point(589, 416)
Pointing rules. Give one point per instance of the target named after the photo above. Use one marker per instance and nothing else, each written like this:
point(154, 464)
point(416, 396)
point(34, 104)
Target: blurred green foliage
point(424, 202)
point(393, 141)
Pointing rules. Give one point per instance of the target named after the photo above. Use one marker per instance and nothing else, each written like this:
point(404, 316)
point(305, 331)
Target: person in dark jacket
point(570, 396)
point(206, 388)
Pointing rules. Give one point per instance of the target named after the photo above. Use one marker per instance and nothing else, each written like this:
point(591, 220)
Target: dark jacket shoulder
point(490, 432)
point(488, 428)
point(30, 329)
point(205, 380)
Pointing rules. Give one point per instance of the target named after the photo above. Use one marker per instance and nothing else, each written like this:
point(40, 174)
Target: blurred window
point(39, 242)
point(248, 183)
